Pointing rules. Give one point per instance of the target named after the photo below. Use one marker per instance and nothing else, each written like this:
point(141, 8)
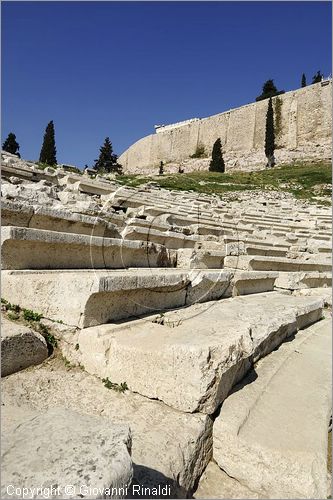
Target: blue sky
point(116, 69)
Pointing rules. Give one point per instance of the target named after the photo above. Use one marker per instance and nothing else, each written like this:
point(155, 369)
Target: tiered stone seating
point(179, 295)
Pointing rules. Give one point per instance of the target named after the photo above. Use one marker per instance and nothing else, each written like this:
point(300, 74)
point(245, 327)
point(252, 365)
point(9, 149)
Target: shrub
point(200, 152)
point(217, 162)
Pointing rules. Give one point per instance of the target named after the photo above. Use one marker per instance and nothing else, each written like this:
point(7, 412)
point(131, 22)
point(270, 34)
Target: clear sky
point(116, 69)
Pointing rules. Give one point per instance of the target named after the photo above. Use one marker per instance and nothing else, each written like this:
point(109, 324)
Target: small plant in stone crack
point(116, 387)
point(159, 319)
point(13, 315)
point(67, 363)
point(162, 320)
point(50, 339)
point(31, 318)
point(30, 315)
point(77, 347)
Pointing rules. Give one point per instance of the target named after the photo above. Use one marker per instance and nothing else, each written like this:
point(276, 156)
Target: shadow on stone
point(150, 483)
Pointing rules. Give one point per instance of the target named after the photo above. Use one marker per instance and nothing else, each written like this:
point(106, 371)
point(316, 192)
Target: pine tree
point(217, 162)
point(303, 82)
point(269, 90)
point(107, 161)
point(317, 77)
point(10, 145)
point(48, 151)
point(270, 135)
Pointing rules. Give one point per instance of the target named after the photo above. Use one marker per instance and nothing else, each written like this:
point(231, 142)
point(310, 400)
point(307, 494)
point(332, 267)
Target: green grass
point(303, 180)
point(116, 387)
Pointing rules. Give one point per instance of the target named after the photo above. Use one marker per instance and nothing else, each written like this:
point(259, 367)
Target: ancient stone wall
point(303, 122)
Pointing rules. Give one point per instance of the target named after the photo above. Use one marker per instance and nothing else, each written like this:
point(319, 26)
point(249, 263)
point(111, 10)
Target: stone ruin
point(194, 340)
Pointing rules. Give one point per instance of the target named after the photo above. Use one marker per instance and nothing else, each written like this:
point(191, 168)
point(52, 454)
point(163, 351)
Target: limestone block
point(14, 213)
point(200, 259)
point(52, 219)
point(20, 347)
point(169, 447)
point(257, 263)
point(169, 239)
point(207, 285)
point(299, 280)
point(95, 187)
point(34, 192)
point(25, 248)
point(262, 250)
point(324, 293)
point(215, 483)
point(78, 202)
point(191, 358)
point(88, 298)
point(10, 169)
point(61, 447)
point(271, 434)
point(248, 282)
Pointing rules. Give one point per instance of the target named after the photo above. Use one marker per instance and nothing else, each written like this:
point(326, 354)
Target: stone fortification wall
point(303, 122)
point(164, 128)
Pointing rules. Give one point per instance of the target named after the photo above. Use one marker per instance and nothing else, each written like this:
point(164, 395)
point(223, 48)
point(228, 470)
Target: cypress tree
point(10, 145)
point(303, 82)
point(270, 135)
point(217, 162)
point(107, 160)
point(317, 77)
point(48, 151)
point(161, 170)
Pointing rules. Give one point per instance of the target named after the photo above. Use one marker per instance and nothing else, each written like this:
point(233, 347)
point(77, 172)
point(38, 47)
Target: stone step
point(169, 448)
point(88, 298)
point(271, 434)
point(21, 173)
point(37, 217)
point(25, 248)
point(299, 280)
point(270, 243)
point(169, 239)
point(21, 347)
point(60, 447)
point(85, 185)
point(188, 258)
point(324, 293)
point(191, 358)
point(258, 263)
point(251, 249)
point(215, 483)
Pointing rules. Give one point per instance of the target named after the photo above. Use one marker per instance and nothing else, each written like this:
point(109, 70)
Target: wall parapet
point(165, 128)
